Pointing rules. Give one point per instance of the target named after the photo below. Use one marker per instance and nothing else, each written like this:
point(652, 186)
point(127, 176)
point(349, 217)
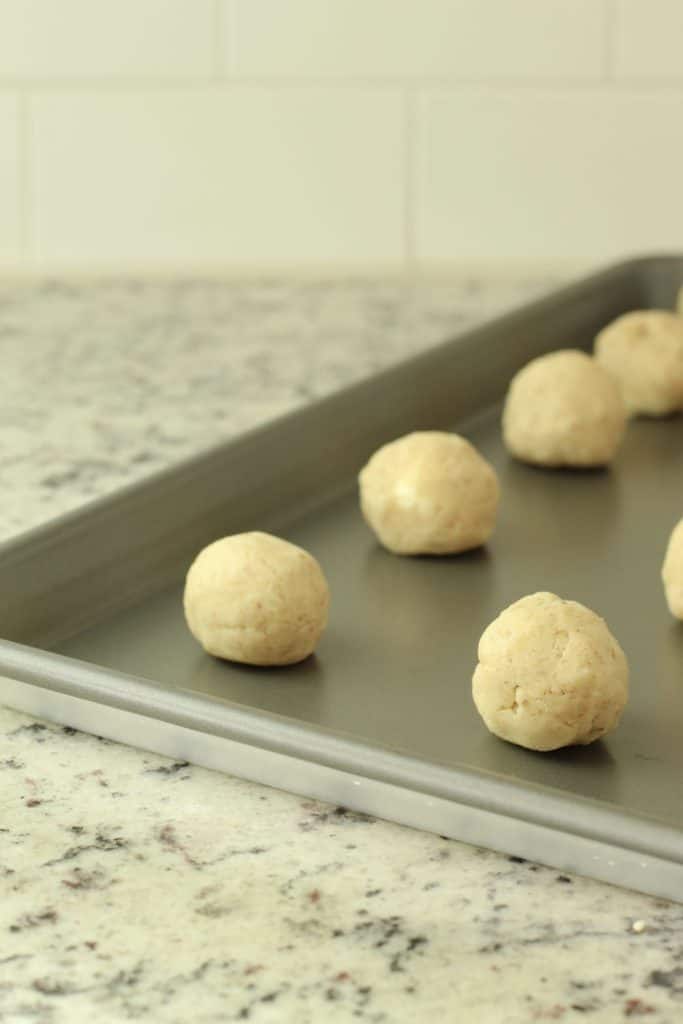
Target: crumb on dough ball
point(672, 571)
point(429, 493)
point(563, 409)
point(550, 674)
point(256, 599)
point(644, 352)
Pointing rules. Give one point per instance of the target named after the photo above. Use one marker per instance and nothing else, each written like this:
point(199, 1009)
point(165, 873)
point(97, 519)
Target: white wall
point(338, 132)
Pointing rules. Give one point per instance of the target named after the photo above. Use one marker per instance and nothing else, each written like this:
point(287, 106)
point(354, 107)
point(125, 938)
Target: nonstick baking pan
point(381, 719)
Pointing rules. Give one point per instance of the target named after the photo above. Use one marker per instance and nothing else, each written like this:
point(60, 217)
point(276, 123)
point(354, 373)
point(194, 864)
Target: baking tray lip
point(14, 547)
point(526, 802)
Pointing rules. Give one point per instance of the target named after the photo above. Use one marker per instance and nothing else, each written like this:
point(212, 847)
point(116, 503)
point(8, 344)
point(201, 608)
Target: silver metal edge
point(449, 817)
point(592, 820)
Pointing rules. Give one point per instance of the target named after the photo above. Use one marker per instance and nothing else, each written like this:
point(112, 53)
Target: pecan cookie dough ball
point(563, 409)
point(257, 599)
point(550, 674)
point(429, 493)
point(644, 352)
point(672, 571)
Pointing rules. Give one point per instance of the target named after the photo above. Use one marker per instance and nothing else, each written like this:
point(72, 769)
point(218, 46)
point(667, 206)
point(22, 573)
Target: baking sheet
point(395, 665)
point(392, 674)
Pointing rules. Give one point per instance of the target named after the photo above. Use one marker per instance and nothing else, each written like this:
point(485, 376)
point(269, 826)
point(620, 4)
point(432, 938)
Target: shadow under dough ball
point(563, 409)
point(257, 599)
point(429, 493)
point(550, 674)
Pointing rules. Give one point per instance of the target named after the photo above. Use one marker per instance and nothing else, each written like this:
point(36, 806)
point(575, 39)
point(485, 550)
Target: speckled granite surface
point(133, 888)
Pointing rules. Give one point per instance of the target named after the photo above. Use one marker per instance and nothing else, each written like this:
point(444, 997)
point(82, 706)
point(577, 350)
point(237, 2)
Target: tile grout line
point(217, 27)
point(227, 34)
point(609, 40)
point(518, 86)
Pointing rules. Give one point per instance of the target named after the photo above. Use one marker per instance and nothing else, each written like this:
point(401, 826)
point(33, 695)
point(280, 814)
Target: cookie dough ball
point(429, 493)
point(256, 599)
point(550, 674)
point(672, 571)
point(563, 409)
point(644, 352)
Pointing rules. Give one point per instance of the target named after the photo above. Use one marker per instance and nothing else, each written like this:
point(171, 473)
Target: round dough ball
point(672, 571)
point(256, 599)
point(429, 493)
point(563, 410)
point(550, 674)
point(644, 352)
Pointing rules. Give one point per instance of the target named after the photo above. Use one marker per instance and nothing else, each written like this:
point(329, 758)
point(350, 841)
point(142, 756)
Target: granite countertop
point(138, 888)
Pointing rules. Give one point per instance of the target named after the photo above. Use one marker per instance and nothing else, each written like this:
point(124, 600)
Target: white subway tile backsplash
point(526, 39)
point(524, 175)
point(648, 39)
point(338, 132)
point(76, 38)
point(10, 181)
point(237, 176)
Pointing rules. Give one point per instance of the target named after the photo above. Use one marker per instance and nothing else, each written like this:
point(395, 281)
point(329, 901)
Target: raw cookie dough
point(672, 571)
point(257, 599)
point(563, 409)
point(644, 352)
point(550, 674)
point(429, 493)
